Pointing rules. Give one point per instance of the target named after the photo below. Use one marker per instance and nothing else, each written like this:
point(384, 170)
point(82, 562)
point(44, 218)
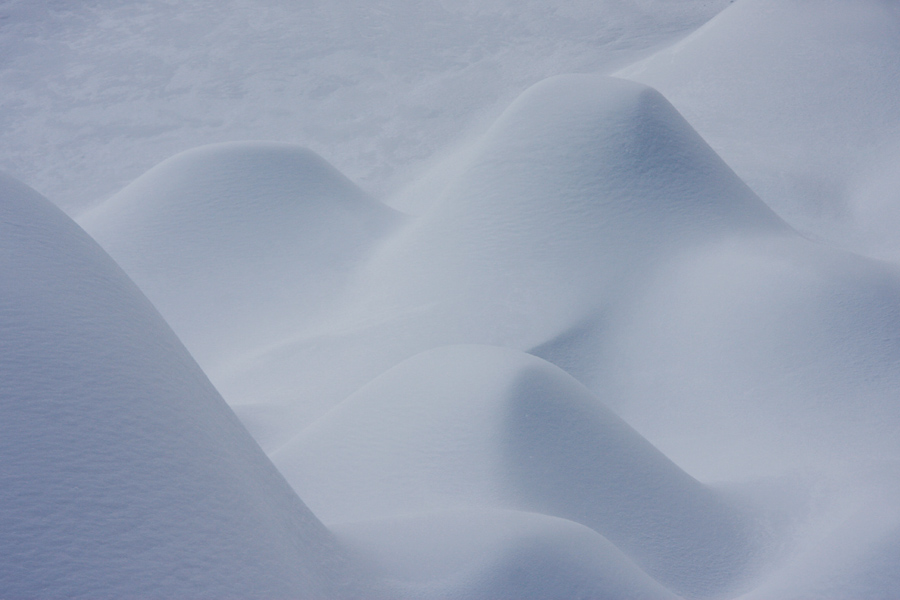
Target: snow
point(234, 243)
point(581, 180)
point(96, 93)
point(463, 427)
point(124, 473)
point(812, 109)
point(581, 336)
point(779, 352)
point(495, 554)
point(580, 185)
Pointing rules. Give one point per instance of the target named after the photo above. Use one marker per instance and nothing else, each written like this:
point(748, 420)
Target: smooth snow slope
point(579, 188)
point(855, 556)
point(800, 98)
point(592, 222)
point(581, 181)
point(124, 474)
point(95, 93)
point(495, 554)
point(746, 442)
point(484, 427)
point(237, 243)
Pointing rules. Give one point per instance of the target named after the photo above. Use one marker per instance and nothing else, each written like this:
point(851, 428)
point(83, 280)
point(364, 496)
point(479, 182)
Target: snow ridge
point(591, 363)
point(124, 472)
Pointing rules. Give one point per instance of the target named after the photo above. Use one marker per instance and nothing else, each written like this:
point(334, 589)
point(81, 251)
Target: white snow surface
point(799, 97)
point(97, 92)
point(494, 554)
point(586, 360)
point(124, 472)
point(463, 427)
point(582, 184)
point(236, 243)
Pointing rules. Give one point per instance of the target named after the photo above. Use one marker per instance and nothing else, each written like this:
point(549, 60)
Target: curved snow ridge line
point(486, 427)
point(577, 192)
point(801, 66)
point(582, 183)
point(124, 472)
point(596, 148)
point(382, 87)
point(570, 199)
point(237, 242)
point(489, 554)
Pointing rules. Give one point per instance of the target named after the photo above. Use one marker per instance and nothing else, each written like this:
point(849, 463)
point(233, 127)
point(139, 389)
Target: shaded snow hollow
point(593, 364)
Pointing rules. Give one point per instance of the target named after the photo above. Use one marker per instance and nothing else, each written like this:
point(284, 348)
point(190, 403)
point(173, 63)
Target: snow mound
point(124, 473)
point(494, 554)
point(582, 180)
point(236, 242)
point(483, 427)
point(813, 107)
point(581, 185)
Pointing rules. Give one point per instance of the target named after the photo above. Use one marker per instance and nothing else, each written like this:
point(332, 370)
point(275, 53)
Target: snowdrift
point(707, 407)
point(799, 99)
point(491, 554)
point(124, 473)
point(583, 184)
point(477, 426)
point(777, 352)
point(593, 227)
point(236, 243)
